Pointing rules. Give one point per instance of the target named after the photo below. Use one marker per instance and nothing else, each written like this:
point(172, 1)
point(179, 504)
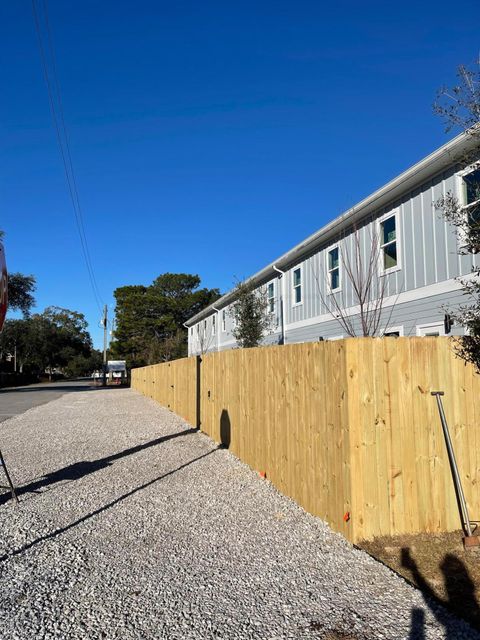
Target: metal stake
point(7, 475)
point(456, 476)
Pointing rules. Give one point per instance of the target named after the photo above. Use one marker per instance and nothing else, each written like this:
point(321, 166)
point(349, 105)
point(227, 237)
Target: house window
point(388, 243)
point(433, 329)
point(297, 285)
point(198, 329)
point(214, 325)
point(471, 195)
point(271, 297)
point(224, 320)
point(393, 332)
point(204, 327)
point(191, 331)
point(334, 269)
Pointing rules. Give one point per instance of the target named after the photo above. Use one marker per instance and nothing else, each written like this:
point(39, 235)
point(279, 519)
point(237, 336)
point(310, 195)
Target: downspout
point(282, 303)
point(217, 328)
point(188, 338)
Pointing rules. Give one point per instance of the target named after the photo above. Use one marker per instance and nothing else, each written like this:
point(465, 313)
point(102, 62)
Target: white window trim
point(431, 325)
point(224, 321)
point(462, 240)
point(274, 297)
point(398, 266)
point(398, 328)
point(214, 325)
point(297, 304)
point(332, 338)
point(330, 291)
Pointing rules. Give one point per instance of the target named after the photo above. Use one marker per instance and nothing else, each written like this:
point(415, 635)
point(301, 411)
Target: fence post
point(198, 388)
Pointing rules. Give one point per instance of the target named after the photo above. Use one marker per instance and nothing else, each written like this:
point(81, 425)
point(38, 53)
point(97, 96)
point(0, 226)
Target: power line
point(56, 109)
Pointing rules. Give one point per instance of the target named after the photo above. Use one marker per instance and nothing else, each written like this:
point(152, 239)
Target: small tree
point(250, 315)
point(205, 336)
point(460, 107)
point(360, 273)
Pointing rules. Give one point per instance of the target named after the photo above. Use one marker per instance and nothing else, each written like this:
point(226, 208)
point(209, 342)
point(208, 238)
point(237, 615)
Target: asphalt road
point(16, 400)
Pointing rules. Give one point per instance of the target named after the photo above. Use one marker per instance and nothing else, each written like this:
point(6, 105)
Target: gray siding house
point(412, 250)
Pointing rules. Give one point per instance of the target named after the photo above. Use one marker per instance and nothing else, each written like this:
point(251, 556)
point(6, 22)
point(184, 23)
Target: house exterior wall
point(416, 292)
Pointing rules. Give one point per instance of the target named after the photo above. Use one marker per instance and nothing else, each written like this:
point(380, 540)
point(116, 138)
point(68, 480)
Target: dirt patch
point(438, 565)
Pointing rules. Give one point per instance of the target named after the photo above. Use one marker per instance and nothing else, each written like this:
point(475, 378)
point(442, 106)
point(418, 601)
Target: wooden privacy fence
point(346, 428)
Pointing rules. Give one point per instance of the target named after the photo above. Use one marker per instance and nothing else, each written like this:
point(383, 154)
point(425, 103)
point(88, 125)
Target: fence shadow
point(460, 600)
point(83, 468)
point(96, 512)
point(225, 429)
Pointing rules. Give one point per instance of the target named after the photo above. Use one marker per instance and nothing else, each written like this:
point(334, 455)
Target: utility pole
point(104, 322)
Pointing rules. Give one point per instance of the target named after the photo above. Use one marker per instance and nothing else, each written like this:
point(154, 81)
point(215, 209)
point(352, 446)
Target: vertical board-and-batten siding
point(348, 429)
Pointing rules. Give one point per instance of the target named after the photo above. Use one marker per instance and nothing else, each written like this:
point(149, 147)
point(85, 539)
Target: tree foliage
point(48, 341)
point(459, 107)
point(20, 292)
point(249, 312)
point(149, 319)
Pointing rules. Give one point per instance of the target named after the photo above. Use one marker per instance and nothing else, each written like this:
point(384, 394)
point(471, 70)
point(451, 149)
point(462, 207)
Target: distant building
point(418, 262)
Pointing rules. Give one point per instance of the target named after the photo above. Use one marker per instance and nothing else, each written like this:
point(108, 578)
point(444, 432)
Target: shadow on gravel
point(460, 596)
point(84, 468)
point(109, 505)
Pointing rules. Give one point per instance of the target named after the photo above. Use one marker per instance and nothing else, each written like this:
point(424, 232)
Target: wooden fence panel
point(348, 428)
point(400, 471)
point(171, 384)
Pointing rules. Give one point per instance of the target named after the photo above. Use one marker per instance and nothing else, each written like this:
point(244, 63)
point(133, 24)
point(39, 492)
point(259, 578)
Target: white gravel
point(175, 540)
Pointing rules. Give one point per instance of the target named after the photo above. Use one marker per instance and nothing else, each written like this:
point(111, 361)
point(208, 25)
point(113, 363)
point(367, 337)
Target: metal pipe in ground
point(469, 540)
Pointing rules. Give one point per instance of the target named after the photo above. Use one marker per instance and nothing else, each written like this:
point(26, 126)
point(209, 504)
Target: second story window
point(224, 320)
point(471, 195)
point(214, 325)
point(333, 269)
point(271, 297)
point(297, 285)
point(388, 243)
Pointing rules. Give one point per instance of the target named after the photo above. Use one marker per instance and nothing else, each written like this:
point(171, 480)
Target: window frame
point(382, 271)
point(462, 196)
point(224, 321)
point(330, 291)
point(214, 325)
point(393, 329)
point(436, 324)
point(475, 166)
point(294, 287)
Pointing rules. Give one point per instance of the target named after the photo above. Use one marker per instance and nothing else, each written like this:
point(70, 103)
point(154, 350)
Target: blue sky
point(210, 137)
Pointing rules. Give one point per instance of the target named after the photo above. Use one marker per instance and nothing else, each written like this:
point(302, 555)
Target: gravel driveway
point(132, 526)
